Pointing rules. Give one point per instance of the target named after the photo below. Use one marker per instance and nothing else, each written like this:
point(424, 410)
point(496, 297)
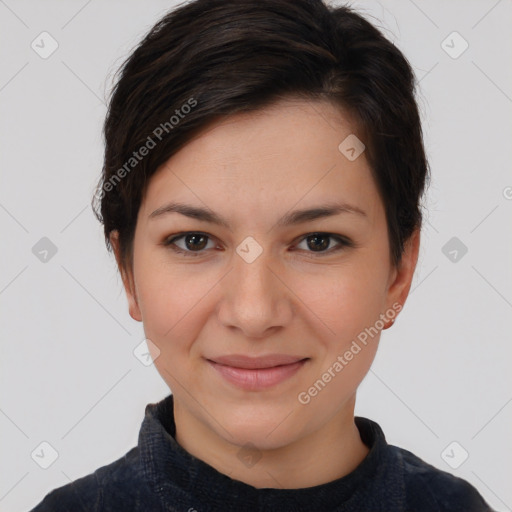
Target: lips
point(257, 373)
point(254, 363)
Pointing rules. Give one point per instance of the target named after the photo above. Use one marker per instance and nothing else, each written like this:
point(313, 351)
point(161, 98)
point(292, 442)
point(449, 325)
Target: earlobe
point(133, 308)
point(127, 278)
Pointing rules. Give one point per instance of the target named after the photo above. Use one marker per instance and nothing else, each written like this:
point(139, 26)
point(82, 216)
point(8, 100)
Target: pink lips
point(255, 373)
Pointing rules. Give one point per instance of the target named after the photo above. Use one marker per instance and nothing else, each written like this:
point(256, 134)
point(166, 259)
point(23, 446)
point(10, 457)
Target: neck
point(328, 454)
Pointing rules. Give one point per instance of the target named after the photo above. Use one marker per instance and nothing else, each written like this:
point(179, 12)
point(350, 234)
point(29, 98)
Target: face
point(260, 318)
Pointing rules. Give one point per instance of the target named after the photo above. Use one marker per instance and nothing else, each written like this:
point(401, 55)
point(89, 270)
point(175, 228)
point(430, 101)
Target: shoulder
point(427, 486)
point(121, 482)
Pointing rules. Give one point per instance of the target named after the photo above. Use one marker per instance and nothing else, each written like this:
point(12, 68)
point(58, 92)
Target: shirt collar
point(176, 476)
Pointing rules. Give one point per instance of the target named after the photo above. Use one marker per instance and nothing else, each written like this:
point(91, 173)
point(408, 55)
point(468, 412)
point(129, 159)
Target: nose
point(254, 298)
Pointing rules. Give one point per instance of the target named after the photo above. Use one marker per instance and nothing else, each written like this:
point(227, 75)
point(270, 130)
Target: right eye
point(193, 243)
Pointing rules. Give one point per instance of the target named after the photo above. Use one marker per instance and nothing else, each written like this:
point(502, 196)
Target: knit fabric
point(159, 475)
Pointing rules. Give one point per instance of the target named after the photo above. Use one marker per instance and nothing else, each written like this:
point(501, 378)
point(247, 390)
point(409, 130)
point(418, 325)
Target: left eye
point(319, 242)
point(194, 243)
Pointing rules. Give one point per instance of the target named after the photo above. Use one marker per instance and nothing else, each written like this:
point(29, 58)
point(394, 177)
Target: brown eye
point(320, 243)
point(195, 241)
point(193, 244)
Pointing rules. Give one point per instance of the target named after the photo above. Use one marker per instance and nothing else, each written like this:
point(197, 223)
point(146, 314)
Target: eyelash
point(343, 242)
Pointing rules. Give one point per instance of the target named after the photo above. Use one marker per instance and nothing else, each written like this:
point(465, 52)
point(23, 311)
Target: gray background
point(68, 373)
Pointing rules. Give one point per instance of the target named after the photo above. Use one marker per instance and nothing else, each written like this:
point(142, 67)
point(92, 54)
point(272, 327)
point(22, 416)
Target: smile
point(254, 374)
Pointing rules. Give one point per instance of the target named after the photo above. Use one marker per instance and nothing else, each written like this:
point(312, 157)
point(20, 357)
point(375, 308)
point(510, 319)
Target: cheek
point(345, 300)
point(171, 300)
point(173, 312)
point(350, 305)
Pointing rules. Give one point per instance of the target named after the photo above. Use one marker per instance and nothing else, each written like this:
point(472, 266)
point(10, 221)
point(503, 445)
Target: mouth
point(257, 373)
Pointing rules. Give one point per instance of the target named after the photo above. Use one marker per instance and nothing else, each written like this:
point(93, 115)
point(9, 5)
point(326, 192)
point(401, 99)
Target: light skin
point(294, 298)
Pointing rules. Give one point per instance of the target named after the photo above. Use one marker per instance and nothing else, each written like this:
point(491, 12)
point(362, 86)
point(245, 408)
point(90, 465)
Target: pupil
point(193, 238)
point(316, 245)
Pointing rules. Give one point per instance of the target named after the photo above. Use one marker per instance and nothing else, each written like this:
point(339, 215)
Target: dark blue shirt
point(159, 475)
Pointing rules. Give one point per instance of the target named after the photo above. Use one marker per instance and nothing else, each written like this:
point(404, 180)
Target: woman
point(261, 190)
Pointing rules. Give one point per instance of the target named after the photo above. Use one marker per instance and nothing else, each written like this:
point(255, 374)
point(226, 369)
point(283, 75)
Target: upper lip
point(253, 363)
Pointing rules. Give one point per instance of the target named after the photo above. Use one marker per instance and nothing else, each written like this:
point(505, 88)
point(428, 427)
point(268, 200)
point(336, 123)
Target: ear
point(128, 280)
point(401, 277)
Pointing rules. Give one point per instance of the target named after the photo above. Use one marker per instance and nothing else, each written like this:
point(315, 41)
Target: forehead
point(289, 128)
point(270, 159)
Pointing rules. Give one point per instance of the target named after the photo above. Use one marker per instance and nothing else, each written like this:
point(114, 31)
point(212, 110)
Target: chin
point(266, 428)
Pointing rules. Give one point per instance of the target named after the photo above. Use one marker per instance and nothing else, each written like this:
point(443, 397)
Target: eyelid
point(343, 242)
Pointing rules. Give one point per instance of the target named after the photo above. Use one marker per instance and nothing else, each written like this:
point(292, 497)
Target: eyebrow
point(289, 219)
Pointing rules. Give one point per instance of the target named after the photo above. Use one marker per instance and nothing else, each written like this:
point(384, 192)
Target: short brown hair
point(207, 59)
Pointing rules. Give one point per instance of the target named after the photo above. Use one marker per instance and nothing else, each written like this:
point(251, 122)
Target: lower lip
point(254, 380)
